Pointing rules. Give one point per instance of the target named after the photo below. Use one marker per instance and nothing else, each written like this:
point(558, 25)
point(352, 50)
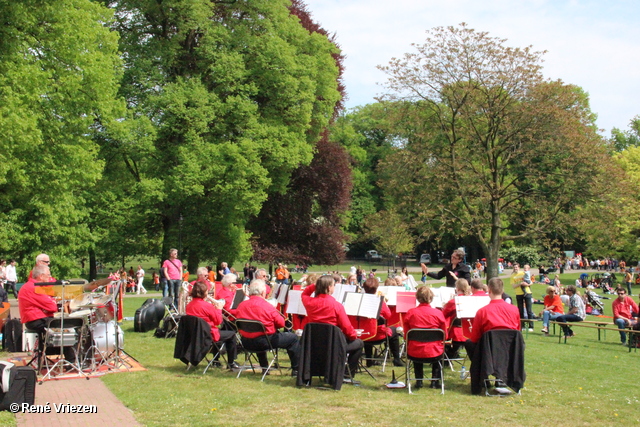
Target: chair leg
point(408, 374)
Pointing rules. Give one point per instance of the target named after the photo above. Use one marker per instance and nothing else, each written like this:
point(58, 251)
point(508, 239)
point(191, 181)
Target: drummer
point(37, 310)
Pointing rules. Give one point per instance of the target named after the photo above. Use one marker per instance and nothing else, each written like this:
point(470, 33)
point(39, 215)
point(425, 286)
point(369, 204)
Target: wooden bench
point(601, 324)
point(590, 325)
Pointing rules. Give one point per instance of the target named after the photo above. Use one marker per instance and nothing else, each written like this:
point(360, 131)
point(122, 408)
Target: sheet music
point(282, 294)
point(442, 295)
point(294, 303)
point(275, 290)
point(363, 305)
point(351, 303)
point(468, 306)
point(406, 300)
point(390, 293)
point(340, 290)
point(370, 306)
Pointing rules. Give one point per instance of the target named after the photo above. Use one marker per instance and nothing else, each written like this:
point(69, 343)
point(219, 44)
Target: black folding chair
point(255, 326)
point(425, 336)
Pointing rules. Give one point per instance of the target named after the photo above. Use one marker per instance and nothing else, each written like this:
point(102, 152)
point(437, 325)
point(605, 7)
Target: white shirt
point(140, 273)
point(10, 273)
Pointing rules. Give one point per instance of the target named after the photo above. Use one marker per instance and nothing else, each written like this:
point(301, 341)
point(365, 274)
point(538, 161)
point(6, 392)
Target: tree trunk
point(93, 267)
point(493, 246)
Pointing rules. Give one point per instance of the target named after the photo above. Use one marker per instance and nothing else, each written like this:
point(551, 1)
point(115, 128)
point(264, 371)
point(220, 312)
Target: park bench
point(633, 334)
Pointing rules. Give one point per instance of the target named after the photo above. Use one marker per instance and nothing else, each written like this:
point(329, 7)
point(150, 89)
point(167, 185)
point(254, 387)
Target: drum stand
point(62, 361)
point(116, 360)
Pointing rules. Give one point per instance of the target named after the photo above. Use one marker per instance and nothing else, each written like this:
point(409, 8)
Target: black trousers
point(12, 286)
point(39, 326)
point(286, 340)
point(354, 351)
point(229, 339)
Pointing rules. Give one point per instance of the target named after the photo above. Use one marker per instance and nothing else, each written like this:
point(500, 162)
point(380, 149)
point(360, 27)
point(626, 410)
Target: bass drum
point(104, 336)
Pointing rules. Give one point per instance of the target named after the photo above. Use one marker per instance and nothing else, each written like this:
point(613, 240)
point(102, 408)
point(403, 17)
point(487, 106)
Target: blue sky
point(593, 44)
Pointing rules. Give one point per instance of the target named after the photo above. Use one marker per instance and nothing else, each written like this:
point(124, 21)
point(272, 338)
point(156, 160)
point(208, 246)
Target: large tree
point(237, 94)
point(59, 74)
point(491, 149)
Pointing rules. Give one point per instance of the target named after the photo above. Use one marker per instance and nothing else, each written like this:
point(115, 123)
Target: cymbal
point(90, 306)
point(96, 284)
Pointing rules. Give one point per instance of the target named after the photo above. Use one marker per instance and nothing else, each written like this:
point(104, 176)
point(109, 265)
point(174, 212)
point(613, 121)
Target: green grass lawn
point(583, 382)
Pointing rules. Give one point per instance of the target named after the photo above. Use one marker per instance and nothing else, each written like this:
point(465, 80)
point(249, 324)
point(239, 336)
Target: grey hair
point(257, 287)
point(202, 270)
point(40, 270)
point(261, 270)
point(229, 279)
point(41, 257)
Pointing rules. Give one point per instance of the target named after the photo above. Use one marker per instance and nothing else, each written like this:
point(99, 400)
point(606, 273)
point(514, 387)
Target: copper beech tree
point(487, 147)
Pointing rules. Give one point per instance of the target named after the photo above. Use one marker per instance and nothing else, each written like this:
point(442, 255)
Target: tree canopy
point(491, 148)
point(59, 75)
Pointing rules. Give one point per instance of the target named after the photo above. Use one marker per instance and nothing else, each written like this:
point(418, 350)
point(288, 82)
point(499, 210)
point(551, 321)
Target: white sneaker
point(530, 329)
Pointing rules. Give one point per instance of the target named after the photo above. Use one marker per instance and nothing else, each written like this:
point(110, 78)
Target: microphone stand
point(62, 361)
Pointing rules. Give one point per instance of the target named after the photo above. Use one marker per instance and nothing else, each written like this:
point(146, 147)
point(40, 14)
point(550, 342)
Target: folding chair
point(460, 361)
point(380, 348)
point(194, 343)
point(425, 336)
point(498, 358)
point(324, 355)
point(255, 326)
point(172, 317)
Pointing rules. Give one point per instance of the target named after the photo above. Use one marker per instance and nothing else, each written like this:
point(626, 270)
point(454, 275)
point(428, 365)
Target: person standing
point(11, 277)
point(453, 271)
point(140, 277)
point(172, 268)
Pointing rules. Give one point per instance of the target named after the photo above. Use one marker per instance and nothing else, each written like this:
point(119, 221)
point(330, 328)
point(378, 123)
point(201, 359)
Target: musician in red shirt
point(257, 308)
point(380, 331)
point(323, 308)
point(37, 310)
point(497, 315)
point(213, 316)
point(425, 317)
point(454, 329)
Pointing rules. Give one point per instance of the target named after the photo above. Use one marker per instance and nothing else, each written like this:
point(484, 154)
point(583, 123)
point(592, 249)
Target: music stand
point(62, 362)
point(116, 360)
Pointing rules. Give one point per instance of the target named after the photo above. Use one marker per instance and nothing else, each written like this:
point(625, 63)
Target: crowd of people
point(211, 295)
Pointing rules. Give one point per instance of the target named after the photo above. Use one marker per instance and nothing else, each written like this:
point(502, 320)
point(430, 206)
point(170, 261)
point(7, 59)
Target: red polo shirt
point(34, 306)
point(257, 308)
point(324, 308)
point(496, 315)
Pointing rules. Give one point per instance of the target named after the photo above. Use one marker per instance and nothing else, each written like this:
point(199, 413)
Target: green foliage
point(524, 255)
point(390, 232)
point(492, 150)
point(622, 140)
point(59, 72)
point(235, 95)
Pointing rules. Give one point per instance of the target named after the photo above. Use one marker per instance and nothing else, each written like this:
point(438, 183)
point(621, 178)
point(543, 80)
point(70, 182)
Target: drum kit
point(92, 326)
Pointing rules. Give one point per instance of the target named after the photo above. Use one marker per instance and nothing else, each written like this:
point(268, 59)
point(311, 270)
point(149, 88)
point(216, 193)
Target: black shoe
point(233, 366)
point(369, 363)
point(398, 362)
point(435, 384)
point(294, 373)
point(418, 384)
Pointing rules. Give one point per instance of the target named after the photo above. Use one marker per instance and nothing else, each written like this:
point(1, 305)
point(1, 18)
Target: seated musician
point(478, 288)
point(426, 317)
point(257, 308)
point(496, 315)
point(213, 316)
point(370, 286)
point(323, 308)
point(36, 309)
point(227, 292)
point(203, 277)
point(454, 325)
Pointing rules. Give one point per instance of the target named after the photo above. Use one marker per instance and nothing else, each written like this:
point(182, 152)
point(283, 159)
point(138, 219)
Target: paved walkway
point(107, 410)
